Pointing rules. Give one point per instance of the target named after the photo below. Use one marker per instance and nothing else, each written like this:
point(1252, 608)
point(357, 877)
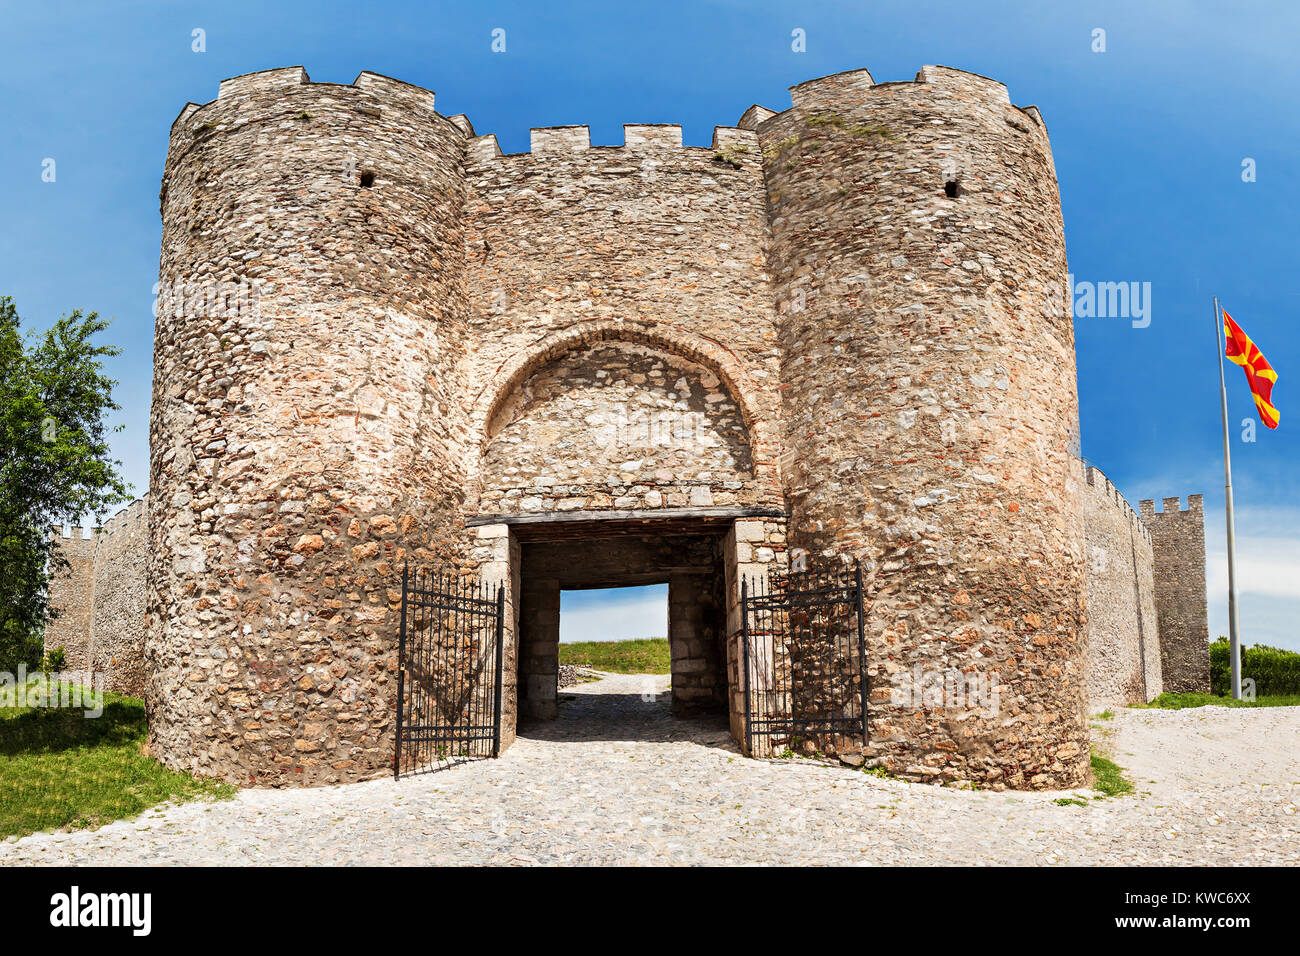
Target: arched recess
point(754, 407)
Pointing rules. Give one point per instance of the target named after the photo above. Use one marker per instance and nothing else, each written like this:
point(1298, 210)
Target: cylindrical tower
point(928, 367)
point(304, 432)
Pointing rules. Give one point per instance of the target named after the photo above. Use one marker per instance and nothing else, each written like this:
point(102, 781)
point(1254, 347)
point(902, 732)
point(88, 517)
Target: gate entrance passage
point(779, 654)
point(686, 555)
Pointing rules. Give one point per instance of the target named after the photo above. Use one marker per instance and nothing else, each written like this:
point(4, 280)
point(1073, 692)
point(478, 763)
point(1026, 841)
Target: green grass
point(59, 768)
point(1108, 776)
point(647, 656)
point(1181, 701)
point(1070, 802)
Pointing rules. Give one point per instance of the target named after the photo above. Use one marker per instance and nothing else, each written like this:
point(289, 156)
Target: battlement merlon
point(248, 84)
point(551, 140)
point(754, 117)
point(1107, 489)
point(78, 532)
point(1171, 506)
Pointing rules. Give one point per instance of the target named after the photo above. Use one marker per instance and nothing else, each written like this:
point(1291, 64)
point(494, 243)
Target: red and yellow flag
point(1259, 374)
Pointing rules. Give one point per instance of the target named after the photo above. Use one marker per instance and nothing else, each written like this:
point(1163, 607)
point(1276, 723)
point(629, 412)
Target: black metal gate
point(450, 657)
point(804, 661)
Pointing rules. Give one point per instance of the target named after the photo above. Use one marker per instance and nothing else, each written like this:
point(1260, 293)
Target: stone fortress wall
point(1123, 636)
point(649, 252)
point(844, 309)
point(101, 596)
point(72, 596)
point(103, 599)
point(1178, 547)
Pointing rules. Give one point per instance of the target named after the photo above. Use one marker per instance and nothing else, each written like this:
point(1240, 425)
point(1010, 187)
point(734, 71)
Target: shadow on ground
point(590, 715)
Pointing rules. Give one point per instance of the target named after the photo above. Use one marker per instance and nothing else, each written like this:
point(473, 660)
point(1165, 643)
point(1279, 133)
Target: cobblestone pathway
point(617, 780)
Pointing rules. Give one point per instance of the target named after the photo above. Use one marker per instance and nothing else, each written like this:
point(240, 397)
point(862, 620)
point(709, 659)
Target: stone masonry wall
point(497, 555)
point(754, 548)
point(119, 622)
point(72, 597)
point(930, 409)
point(1123, 638)
point(103, 631)
point(539, 647)
point(696, 621)
point(650, 243)
point(621, 426)
point(1178, 545)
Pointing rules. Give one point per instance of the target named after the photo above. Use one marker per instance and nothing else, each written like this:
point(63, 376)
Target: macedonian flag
point(1259, 374)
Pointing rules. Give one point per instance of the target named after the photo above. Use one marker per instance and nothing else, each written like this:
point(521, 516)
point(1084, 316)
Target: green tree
point(54, 462)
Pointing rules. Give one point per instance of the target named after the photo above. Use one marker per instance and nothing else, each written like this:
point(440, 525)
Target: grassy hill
point(645, 656)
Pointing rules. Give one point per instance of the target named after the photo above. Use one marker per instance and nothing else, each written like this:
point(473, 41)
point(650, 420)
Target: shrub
point(1274, 670)
point(55, 660)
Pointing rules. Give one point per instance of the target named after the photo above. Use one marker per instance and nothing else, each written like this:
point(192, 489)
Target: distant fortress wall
point(1178, 547)
point(101, 599)
point(1123, 637)
point(72, 595)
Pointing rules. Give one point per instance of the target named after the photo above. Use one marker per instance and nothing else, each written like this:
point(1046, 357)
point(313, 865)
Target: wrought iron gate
point(804, 661)
point(450, 657)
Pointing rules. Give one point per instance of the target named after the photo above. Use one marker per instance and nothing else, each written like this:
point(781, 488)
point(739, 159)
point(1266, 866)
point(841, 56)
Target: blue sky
point(1149, 139)
point(618, 614)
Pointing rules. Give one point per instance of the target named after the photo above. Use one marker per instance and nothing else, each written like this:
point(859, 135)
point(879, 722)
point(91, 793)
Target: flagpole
point(1234, 642)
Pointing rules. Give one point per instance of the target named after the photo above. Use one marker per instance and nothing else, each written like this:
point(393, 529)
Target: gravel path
point(617, 780)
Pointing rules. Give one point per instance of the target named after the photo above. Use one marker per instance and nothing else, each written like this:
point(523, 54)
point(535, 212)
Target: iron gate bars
point(804, 661)
point(450, 655)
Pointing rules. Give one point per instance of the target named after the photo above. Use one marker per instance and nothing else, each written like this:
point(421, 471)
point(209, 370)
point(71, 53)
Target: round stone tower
point(928, 369)
point(305, 424)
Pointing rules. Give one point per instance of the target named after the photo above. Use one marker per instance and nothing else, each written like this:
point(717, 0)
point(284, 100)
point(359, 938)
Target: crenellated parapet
point(1103, 490)
point(551, 142)
point(852, 89)
point(1172, 506)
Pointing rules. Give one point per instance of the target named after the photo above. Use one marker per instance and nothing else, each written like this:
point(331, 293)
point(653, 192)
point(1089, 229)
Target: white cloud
point(614, 618)
point(1264, 566)
point(1268, 588)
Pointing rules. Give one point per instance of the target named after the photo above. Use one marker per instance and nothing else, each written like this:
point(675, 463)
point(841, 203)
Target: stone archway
point(615, 425)
point(614, 461)
point(702, 357)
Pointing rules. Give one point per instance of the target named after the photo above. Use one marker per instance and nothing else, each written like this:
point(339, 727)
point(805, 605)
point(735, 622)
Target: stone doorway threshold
point(626, 707)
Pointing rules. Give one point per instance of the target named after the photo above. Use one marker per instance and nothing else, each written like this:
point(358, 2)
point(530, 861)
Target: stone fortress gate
point(835, 338)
